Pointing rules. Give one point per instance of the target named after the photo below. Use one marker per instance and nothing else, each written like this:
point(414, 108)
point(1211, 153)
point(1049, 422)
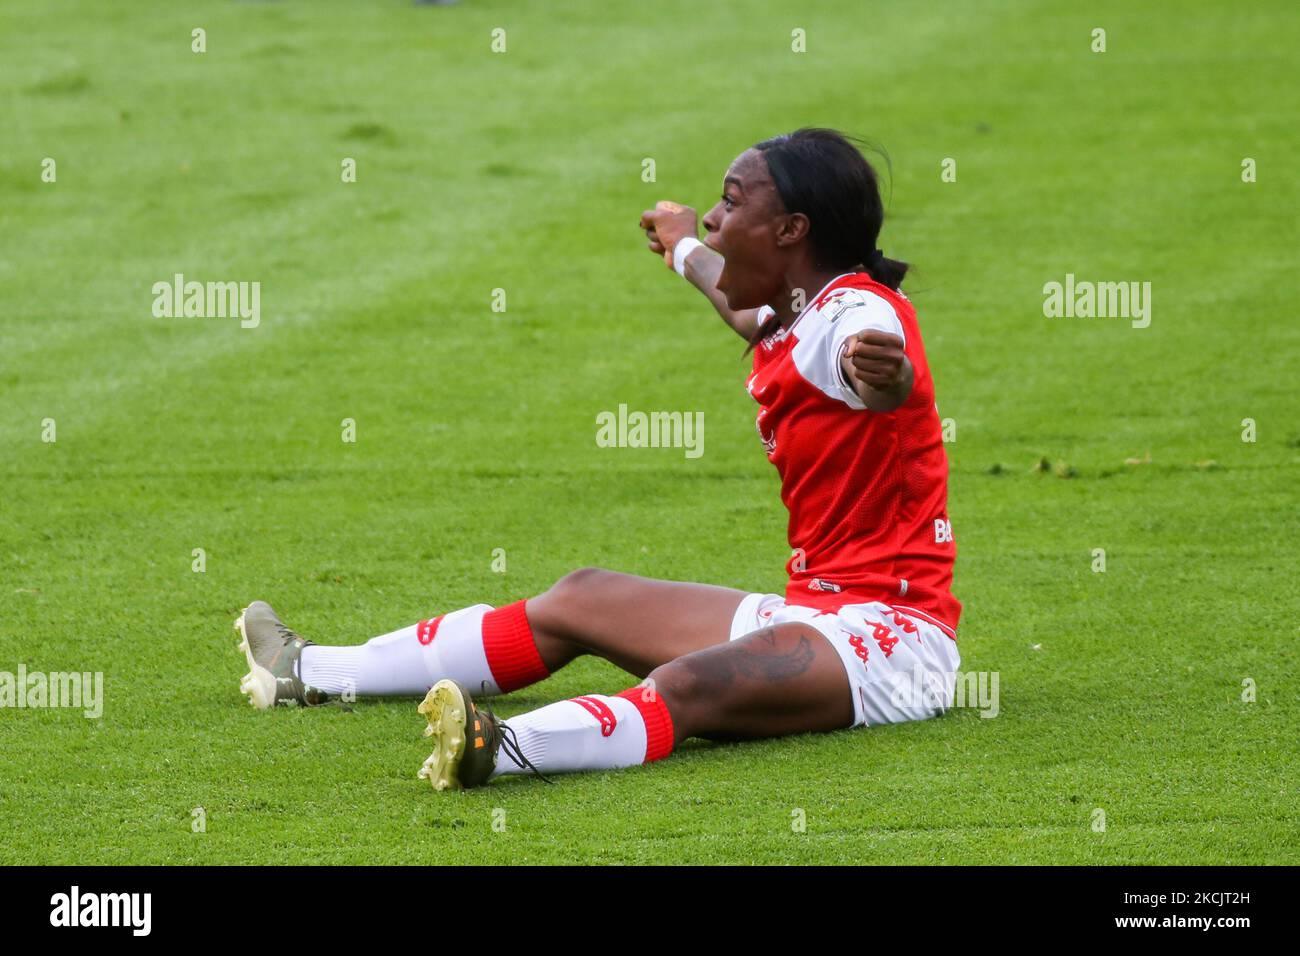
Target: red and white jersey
point(867, 491)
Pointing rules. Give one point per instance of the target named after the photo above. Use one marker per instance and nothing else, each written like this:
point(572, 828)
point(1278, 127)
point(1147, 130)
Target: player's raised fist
point(666, 224)
point(877, 360)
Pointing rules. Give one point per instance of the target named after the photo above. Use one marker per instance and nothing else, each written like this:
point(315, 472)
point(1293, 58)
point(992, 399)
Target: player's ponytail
point(822, 174)
point(886, 271)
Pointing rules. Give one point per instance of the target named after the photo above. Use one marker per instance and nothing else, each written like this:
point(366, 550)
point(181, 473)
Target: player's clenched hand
point(665, 225)
point(874, 361)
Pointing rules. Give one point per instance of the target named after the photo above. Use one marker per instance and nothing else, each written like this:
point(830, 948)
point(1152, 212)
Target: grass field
point(1120, 691)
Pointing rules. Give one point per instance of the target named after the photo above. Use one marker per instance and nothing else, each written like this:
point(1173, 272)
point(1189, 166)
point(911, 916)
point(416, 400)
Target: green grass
point(1120, 690)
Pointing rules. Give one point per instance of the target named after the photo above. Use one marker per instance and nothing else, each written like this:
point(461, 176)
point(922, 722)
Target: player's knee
point(574, 585)
point(582, 579)
point(561, 604)
point(684, 687)
point(582, 585)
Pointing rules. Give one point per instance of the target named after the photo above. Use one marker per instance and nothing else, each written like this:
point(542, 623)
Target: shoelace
point(300, 686)
point(509, 741)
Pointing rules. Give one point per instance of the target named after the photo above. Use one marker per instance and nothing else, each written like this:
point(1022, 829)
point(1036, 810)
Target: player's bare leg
point(637, 623)
point(634, 622)
point(785, 679)
point(781, 680)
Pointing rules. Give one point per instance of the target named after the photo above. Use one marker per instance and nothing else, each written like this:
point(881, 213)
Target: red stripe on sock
point(600, 710)
point(426, 631)
point(510, 648)
point(658, 722)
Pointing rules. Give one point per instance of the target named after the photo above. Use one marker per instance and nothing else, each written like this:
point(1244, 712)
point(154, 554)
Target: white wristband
point(683, 249)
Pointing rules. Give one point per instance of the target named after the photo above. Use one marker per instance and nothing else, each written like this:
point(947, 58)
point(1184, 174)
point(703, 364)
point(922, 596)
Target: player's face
point(742, 227)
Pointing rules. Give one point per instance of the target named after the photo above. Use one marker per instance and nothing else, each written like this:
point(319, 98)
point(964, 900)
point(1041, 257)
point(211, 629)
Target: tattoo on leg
point(775, 666)
point(723, 664)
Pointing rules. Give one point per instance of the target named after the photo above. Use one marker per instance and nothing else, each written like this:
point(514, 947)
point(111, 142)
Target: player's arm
point(876, 367)
point(665, 226)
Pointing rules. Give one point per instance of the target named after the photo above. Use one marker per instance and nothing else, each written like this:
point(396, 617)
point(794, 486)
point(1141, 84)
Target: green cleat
point(273, 652)
point(466, 739)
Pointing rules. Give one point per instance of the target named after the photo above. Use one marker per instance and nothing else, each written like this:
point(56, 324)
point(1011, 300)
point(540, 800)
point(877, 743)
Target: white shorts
point(900, 667)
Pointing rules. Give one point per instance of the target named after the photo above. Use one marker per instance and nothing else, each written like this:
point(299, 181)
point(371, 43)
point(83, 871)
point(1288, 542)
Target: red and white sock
point(593, 732)
point(471, 646)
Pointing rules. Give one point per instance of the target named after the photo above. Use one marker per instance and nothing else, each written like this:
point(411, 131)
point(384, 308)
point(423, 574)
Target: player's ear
point(792, 228)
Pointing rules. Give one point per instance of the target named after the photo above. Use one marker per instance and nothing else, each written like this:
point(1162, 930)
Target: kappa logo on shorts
point(859, 646)
point(885, 638)
point(425, 631)
point(901, 620)
point(601, 711)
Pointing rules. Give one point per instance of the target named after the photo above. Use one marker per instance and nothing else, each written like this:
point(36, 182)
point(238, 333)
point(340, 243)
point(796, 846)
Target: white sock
point(406, 662)
point(593, 732)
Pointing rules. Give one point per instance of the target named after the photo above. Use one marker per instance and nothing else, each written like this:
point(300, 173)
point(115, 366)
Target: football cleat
point(467, 739)
point(272, 650)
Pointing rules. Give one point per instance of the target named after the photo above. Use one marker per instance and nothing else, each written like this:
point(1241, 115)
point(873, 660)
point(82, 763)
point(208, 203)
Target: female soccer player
point(866, 631)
